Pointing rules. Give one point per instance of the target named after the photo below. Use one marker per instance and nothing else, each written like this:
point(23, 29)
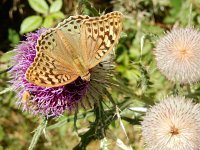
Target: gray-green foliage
point(45, 15)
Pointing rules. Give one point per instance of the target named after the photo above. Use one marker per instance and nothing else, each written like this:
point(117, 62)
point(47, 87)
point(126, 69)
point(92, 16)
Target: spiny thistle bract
point(52, 102)
point(172, 124)
point(178, 55)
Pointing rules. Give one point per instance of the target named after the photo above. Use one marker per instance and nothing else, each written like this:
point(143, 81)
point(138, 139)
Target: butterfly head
point(86, 77)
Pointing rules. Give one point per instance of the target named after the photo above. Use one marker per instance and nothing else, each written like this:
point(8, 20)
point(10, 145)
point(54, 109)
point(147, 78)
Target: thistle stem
point(38, 133)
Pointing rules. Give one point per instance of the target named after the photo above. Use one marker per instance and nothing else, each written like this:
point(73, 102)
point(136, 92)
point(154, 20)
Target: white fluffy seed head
point(178, 55)
point(173, 124)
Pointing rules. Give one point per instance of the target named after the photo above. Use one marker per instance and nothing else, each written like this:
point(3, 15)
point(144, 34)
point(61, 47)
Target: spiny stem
point(38, 133)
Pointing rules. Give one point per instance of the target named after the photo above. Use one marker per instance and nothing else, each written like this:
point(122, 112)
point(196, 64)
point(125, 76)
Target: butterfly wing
point(71, 29)
point(49, 72)
point(55, 51)
point(99, 35)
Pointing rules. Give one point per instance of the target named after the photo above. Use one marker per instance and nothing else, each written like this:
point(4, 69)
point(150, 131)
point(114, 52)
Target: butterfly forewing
point(99, 35)
point(53, 64)
point(71, 28)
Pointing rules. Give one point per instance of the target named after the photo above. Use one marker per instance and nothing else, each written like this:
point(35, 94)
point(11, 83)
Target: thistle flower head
point(178, 55)
point(52, 101)
point(173, 124)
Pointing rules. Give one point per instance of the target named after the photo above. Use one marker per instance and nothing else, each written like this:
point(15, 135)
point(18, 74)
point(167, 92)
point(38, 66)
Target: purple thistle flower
point(51, 102)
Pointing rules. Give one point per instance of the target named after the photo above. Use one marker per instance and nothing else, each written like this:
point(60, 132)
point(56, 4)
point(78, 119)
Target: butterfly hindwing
point(99, 35)
point(46, 71)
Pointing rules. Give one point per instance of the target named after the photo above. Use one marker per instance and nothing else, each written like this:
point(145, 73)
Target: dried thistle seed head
point(178, 55)
point(172, 124)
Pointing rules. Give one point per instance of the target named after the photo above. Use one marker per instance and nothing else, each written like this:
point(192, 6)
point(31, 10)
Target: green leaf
point(56, 6)
point(13, 36)
point(38, 133)
point(48, 22)
point(30, 23)
point(176, 4)
point(7, 56)
point(5, 91)
point(2, 134)
point(39, 6)
point(58, 15)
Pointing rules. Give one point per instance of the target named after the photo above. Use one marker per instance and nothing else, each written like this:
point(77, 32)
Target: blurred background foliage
point(144, 22)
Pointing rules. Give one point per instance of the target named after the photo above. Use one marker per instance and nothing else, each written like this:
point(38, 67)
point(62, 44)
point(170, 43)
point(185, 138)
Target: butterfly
point(72, 48)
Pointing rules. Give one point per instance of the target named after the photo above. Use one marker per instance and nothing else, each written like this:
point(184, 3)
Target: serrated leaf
point(56, 6)
point(38, 132)
point(30, 24)
point(48, 22)
point(39, 6)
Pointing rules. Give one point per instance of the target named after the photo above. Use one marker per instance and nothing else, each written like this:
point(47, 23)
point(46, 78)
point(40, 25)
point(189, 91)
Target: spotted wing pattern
point(52, 65)
point(82, 38)
point(99, 35)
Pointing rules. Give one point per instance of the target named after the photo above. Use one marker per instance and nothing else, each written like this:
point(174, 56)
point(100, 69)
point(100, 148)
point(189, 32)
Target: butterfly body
point(81, 69)
point(74, 47)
